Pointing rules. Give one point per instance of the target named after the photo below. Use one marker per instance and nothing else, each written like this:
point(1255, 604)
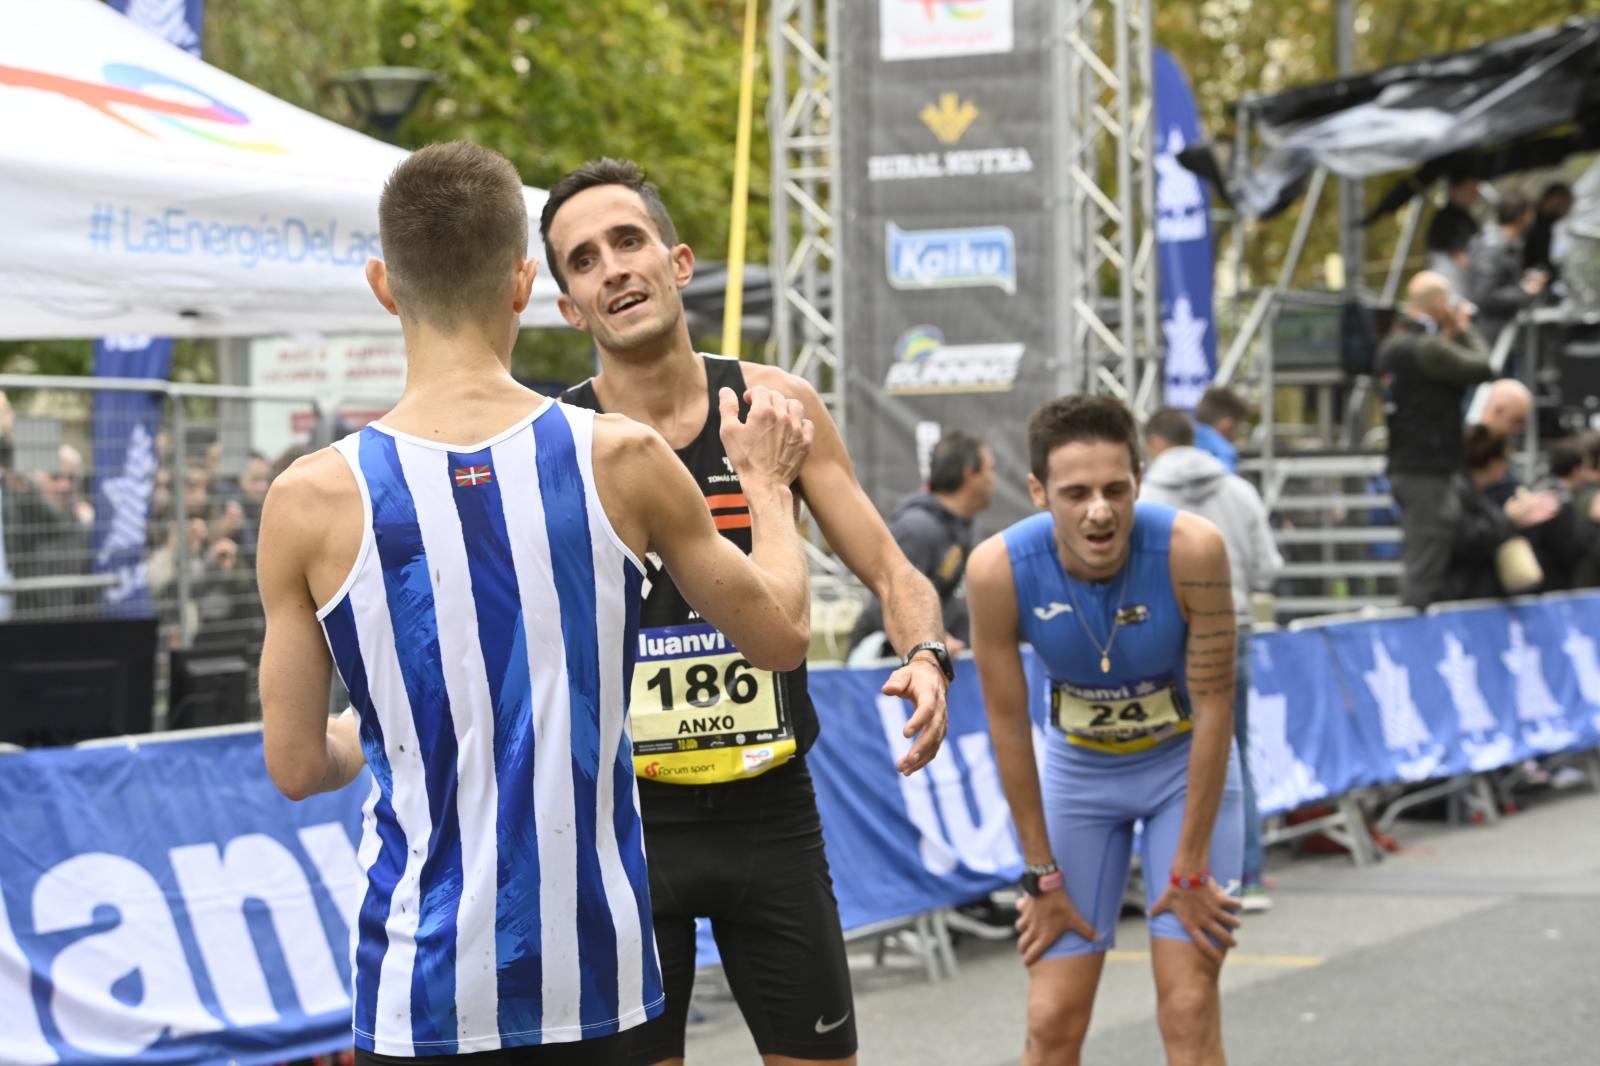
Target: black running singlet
point(702, 715)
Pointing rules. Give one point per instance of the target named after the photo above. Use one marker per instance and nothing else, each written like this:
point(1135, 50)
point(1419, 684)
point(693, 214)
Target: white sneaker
point(1254, 899)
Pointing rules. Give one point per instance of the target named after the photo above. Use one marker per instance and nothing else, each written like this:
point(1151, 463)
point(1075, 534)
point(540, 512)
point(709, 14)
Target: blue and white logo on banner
point(164, 904)
point(125, 462)
point(952, 258)
point(1183, 241)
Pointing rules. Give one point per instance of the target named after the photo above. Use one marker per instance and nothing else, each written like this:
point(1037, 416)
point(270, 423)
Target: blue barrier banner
point(125, 462)
point(165, 904)
point(1415, 699)
point(1183, 241)
point(1303, 745)
point(897, 845)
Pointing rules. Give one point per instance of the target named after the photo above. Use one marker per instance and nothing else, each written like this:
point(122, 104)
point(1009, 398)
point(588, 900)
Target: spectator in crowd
point(1451, 231)
point(1427, 363)
point(1586, 508)
point(1566, 543)
point(1506, 405)
point(1555, 202)
point(64, 487)
point(1218, 418)
point(1497, 280)
point(1182, 476)
point(934, 529)
point(7, 452)
point(1482, 527)
point(46, 525)
point(252, 490)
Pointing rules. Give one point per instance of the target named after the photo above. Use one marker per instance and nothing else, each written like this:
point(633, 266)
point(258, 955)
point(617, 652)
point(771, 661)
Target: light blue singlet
point(1117, 748)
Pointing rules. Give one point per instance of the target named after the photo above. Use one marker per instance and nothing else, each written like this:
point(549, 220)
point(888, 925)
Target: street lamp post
point(384, 96)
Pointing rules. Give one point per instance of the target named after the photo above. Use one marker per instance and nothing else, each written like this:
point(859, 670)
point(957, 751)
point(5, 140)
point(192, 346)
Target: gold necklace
point(1116, 620)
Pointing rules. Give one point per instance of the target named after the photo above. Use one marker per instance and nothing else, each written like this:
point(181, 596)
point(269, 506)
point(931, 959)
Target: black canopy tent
point(1519, 103)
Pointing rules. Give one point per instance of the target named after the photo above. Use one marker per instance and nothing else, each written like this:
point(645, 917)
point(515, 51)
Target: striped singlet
point(486, 634)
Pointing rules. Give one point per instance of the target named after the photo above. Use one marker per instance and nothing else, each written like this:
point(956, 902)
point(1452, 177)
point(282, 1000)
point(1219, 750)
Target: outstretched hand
point(922, 684)
point(771, 444)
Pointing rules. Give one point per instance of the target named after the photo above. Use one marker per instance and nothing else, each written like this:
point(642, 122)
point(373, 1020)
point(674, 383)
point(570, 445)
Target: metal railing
point(1340, 535)
point(131, 496)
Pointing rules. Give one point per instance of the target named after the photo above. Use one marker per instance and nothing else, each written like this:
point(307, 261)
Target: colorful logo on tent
point(956, 9)
point(127, 86)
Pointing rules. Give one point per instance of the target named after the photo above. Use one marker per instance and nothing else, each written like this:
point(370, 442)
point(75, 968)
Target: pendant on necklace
point(1105, 664)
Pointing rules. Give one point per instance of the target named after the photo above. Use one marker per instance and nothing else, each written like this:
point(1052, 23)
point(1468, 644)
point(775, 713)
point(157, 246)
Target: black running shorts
point(749, 857)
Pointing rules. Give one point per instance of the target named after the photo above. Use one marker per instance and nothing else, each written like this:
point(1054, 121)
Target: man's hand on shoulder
point(769, 446)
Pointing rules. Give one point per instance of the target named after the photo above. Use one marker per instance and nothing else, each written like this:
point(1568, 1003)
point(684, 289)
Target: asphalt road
point(1471, 947)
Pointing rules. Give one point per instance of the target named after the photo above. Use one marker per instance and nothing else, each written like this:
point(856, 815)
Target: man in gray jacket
point(1183, 476)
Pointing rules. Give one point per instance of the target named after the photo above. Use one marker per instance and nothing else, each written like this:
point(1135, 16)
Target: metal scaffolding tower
point(1104, 198)
point(1105, 185)
point(805, 161)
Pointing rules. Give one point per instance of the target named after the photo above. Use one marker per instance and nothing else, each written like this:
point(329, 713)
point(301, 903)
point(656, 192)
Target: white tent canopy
point(146, 192)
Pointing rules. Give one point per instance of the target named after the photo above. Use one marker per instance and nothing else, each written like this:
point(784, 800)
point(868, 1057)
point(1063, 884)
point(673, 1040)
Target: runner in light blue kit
point(1130, 608)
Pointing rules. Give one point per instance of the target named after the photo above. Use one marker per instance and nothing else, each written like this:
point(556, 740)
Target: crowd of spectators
point(48, 526)
point(1470, 528)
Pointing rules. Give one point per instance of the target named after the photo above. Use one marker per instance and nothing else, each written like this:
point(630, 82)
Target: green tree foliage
point(548, 84)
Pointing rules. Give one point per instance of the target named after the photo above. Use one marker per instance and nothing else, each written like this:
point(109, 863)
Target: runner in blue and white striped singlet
point(481, 602)
point(485, 633)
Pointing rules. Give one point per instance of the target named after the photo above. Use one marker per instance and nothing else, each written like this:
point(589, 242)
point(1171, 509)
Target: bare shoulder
point(312, 483)
point(1195, 542)
point(779, 379)
point(989, 567)
point(311, 523)
point(621, 445)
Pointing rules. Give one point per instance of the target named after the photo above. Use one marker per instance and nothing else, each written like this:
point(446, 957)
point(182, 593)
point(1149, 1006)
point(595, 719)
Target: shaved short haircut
point(1080, 418)
point(453, 225)
point(591, 175)
point(1171, 425)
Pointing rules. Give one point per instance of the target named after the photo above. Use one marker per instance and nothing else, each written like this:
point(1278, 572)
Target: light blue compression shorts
point(1092, 801)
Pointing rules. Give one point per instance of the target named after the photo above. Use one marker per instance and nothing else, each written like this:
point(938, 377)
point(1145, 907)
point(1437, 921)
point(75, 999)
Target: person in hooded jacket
point(934, 529)
point(1181, 475)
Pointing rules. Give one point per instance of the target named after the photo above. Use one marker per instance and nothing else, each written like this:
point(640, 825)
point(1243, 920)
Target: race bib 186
point(1120, 719)
point(701, 713)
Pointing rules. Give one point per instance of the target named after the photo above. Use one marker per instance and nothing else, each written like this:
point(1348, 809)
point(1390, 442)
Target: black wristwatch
point(940, 653)
point(1037, 880)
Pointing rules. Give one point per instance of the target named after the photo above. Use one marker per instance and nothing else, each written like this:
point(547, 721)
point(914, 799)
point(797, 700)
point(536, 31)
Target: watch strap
point(941, 656)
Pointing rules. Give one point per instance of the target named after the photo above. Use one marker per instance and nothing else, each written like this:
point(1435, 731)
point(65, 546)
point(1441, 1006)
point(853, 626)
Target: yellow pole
point(733, 311)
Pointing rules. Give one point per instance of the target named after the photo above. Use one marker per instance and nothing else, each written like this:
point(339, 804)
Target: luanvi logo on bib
point(696, 702)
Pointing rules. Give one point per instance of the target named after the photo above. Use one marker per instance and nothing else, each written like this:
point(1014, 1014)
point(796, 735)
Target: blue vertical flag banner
point(175, 21)
point(125, 462)
point(1183, 241)
point(125, 423)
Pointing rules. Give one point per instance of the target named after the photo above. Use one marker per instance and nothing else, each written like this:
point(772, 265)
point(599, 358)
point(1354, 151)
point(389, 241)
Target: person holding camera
point(1428, 363)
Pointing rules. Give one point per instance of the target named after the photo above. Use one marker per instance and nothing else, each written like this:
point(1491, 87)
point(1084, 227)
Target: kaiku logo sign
point(179, 105)
point(952, 258)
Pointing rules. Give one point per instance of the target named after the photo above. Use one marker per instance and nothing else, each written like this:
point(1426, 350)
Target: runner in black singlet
point(731, 826)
